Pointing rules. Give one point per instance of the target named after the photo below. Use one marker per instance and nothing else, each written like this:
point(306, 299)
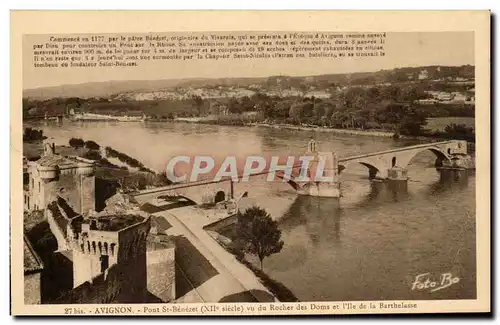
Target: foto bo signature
point(425, 281)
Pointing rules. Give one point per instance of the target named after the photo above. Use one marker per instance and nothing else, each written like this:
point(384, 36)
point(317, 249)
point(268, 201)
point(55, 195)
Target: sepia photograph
point(197, 172)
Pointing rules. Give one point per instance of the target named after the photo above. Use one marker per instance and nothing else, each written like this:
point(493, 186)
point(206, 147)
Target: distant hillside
point(98, 89)
point(105, 89)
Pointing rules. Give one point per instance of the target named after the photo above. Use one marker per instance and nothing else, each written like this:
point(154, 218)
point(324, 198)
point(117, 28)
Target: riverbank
point(224, 232)
point(430, 135)
point(201, 120)
point(277, 288)
point(216, 274)
point(325, 129)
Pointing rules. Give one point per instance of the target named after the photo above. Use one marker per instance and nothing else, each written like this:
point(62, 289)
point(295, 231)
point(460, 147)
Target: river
point(368, 245)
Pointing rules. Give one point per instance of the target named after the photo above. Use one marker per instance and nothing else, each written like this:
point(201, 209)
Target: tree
point(303, 88)
point(412, 121)
point(33, 135)
point(281, 109)
point(198, 102)
point(296, 111)
point(234, 106)
point(76, 142)
point(319, 110)
point(459, 131)
point(91, 145)
point(161, 179)
point(259, 233)
point(92, 155)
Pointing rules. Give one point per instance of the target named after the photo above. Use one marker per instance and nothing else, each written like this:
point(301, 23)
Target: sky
point(408, 49)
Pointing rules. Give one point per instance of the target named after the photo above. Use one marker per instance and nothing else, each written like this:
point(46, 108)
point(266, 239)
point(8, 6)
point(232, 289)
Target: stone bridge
point(388, 164)
point(380, 163)
point(207, 191)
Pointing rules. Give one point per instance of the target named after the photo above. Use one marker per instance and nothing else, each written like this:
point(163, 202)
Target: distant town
point(406, 102)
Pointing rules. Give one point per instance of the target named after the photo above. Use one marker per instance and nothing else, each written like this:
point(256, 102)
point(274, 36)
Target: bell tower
point(49, 149)
point(312, 146)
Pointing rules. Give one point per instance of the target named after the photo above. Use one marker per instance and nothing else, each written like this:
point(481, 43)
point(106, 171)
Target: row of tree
point(33, 135)
point(80, 143)
point(127, 180)
point(392, 108)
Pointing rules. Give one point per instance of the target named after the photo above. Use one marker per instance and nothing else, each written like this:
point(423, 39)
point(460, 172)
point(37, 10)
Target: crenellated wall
point(92, 253)
point(95, 251)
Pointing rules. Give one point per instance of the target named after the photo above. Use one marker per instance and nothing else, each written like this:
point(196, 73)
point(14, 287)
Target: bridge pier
point(397, 174)
point(372, 173)
point(454, 176)
point(330, 187)
point(321, 189)
point(458, 161)
point(397, 188)
point(457, 168)
point(390, 165)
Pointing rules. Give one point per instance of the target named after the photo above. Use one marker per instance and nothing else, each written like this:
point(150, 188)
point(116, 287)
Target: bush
point(92, 155)
point(461, 131)
point(92, 145)
point(33, 135)
point(455, 132)
point(76, 143)
point(132, 162)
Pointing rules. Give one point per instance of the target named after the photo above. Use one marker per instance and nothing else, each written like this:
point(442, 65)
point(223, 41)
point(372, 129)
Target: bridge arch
point(289, 181)
point(373, 170)
point(220, 196)
point(174, 197)
point(440, 156)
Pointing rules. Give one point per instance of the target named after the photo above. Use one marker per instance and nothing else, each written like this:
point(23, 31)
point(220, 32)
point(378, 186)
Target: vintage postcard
point(250, 163)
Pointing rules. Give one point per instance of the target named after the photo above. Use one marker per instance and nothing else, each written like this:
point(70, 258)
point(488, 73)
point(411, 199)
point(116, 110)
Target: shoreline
point(348, 132)
point(197, 120)
point(384, 134)
point(352, 132)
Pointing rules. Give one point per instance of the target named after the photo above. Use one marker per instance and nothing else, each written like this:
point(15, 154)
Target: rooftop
point(63, 214)
point(61, 161)
point(56, 160)
point(32, 262)
point(113, 222)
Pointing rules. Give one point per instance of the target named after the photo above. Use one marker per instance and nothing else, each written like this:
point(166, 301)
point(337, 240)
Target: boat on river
point(89, 117)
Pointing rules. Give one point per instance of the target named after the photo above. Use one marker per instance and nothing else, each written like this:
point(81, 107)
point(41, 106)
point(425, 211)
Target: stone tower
point(117, 240)
point(53, 175)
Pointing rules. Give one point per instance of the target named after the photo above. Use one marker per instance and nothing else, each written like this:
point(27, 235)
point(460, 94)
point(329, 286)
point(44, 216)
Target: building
point(100, 257)
point(113, 255)
point(33, 267)
point(53, 175)
point(102, 241)
point(423, 74)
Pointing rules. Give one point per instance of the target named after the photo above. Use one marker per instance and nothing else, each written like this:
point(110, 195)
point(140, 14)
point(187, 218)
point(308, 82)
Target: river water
point(368, 245)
